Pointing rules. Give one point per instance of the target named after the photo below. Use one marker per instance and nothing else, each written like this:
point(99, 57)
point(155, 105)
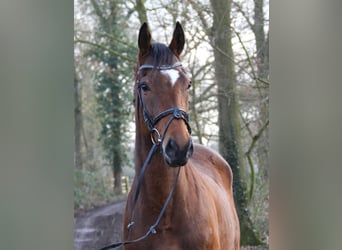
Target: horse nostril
point(171, 148)
point(190, 149)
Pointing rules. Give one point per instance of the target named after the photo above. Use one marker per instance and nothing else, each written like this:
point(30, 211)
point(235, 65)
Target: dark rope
point(152, 229)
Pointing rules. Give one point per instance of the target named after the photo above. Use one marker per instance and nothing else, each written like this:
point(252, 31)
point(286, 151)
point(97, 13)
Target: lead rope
point(152, 229)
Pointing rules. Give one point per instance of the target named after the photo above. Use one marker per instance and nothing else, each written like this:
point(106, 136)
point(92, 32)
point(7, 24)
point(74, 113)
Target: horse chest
point(184, 233)
point(181, 240)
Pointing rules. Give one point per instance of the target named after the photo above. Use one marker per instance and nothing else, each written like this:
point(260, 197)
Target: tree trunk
point(78, 123)
point(113, 140)
point(117, 173)
point(117, 132)
point(260, 39)
point(117, 157)
point(141, 10)
point(262, 47)
point(229, 123)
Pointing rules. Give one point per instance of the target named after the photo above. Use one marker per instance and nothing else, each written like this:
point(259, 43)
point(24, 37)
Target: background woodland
point(226, 54)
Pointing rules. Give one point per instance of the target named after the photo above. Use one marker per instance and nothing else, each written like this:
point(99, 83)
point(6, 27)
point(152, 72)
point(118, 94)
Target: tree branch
point(98, 11)
point(255, 138)
point(239, 8)
point(77, 40)
point(199, 9)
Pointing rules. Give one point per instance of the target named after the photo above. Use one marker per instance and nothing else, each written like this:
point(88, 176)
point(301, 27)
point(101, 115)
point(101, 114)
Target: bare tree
point(229, 120)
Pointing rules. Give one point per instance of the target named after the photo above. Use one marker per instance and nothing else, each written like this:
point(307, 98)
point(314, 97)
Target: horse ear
point(144, 40)
point(178, 40)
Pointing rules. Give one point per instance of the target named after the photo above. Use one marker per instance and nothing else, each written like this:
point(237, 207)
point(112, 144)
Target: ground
point(98, 227)
point(102, 226)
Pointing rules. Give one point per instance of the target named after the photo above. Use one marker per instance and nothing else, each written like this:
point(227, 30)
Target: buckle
point(159, 139)
point(177, 113)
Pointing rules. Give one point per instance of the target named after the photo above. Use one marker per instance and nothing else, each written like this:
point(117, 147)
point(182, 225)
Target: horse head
point(162, 89)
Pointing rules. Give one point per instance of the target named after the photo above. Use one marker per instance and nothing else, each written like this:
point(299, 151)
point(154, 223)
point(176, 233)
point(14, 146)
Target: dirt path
point(98, 227)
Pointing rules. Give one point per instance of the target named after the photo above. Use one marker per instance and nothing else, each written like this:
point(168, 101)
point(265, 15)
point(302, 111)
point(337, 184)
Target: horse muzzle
point(176, 155)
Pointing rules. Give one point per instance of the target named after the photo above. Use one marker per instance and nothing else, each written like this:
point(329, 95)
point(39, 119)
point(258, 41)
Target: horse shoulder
point(211, 163)
point(214, 168)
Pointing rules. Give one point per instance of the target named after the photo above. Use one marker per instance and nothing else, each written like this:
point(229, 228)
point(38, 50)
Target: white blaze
point(173, 74)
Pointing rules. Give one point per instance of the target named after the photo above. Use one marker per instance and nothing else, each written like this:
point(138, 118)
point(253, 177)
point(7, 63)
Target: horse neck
point(158, 177)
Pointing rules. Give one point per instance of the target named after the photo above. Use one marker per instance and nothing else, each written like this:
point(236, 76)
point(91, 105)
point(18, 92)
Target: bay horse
point(189, 183)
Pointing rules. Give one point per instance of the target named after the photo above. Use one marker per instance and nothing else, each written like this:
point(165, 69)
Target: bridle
point(176, 113)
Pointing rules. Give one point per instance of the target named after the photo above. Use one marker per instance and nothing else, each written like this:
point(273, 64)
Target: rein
point(150, 123)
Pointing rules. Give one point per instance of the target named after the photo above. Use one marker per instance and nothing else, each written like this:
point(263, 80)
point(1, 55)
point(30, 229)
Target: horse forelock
point(159, 55)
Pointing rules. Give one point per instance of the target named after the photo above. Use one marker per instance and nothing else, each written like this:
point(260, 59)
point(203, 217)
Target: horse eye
point(144, 87)
point(189, 85)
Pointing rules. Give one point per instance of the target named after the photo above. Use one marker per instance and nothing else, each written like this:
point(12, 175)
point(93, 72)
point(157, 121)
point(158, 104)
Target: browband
point(163, 67)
